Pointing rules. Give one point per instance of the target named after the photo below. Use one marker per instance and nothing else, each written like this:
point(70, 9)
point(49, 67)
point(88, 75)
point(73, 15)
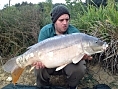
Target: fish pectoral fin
point(31, 68)
point(77, 58)
point(16, 74)
point(60, 67)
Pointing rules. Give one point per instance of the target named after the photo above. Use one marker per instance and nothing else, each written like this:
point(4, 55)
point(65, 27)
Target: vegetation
point(21, 23)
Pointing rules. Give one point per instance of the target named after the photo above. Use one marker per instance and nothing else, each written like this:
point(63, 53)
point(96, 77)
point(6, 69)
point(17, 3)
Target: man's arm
point(42, 35)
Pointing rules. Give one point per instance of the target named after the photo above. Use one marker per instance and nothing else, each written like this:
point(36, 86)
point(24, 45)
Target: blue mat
point(18, 86)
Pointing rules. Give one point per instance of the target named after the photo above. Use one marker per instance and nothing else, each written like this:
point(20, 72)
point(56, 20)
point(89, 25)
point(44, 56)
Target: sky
point(13, 2)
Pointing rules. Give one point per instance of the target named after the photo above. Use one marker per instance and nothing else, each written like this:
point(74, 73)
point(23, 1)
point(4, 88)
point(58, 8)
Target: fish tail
point(12, 67)
point(16, 75)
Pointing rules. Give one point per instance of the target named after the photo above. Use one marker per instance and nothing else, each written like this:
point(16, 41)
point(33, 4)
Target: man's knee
point(43, 76)
point(81, 68)
point(75, 72)
point(78, 68)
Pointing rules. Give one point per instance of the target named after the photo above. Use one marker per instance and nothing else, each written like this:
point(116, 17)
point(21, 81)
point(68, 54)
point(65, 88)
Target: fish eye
point(96, 41)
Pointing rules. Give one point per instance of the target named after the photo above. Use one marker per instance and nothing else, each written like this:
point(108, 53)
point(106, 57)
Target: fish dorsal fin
point(77, 58)
point(60, 67)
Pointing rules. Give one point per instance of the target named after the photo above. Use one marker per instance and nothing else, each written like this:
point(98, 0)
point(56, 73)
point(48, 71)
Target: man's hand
point(87, 57)
point(38, 65)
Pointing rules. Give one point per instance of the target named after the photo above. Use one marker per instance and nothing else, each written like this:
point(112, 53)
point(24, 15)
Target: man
point(60, 25)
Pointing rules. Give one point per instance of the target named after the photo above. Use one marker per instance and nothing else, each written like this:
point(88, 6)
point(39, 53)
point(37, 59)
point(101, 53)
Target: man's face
point(62, 23)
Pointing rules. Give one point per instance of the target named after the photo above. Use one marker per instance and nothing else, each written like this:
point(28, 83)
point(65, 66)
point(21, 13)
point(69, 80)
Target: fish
point(55, 52)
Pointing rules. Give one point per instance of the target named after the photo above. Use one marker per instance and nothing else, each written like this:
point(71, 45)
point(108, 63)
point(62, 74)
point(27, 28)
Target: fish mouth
point(105, 46)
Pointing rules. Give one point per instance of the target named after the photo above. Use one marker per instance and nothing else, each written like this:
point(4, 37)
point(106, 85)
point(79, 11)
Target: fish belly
point(56, 58)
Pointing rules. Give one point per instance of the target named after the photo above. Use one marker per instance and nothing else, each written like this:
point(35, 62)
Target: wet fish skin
point(57, 52)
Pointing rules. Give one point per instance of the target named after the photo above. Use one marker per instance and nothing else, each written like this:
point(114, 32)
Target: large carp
point(56, 52)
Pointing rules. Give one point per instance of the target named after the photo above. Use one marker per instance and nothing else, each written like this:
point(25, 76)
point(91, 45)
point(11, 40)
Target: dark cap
point(57, 11)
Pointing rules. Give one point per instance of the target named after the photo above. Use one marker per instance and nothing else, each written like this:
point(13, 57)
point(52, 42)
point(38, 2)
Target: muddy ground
point(95, 75)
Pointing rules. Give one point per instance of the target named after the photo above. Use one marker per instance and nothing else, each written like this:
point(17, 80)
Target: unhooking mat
point(18, 86)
